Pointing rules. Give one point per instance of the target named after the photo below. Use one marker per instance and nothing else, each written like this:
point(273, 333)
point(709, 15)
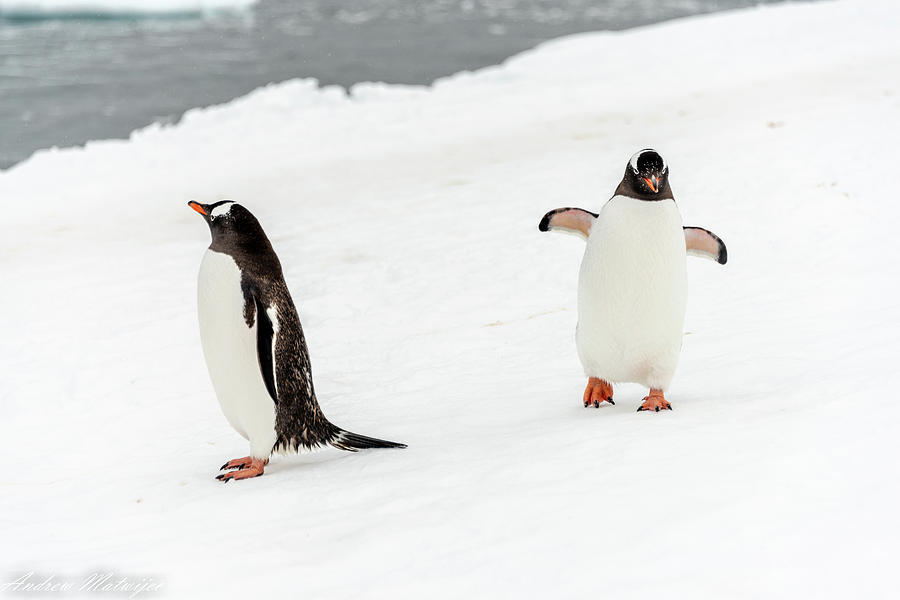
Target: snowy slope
point(437, 315)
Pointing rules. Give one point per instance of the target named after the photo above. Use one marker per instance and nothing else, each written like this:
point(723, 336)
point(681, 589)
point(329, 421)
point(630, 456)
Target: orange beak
point(198, 207)
point(651, 183)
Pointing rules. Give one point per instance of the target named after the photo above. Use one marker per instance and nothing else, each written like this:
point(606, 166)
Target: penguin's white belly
point(229, 346)
point(632, 293)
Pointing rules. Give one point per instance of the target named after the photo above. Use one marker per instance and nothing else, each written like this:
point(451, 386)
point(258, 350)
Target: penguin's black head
point(219, 215)
point(231, 226)
point(648, 175)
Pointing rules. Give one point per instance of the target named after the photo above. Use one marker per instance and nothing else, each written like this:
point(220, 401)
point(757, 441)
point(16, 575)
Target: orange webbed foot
point(246, 467)
point(655, 402)
point(597, 391)
point(237, 463)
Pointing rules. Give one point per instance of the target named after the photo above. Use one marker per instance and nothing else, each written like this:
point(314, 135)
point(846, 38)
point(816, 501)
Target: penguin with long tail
point(254, 347)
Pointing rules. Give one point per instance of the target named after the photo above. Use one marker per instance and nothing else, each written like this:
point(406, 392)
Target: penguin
point(632, 285)
point(255, 349)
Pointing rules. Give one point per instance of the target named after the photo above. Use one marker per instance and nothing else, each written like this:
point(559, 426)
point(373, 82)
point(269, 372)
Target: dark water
point(67, 80)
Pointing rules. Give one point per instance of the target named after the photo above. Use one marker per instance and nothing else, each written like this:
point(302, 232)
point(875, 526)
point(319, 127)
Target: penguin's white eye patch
point(651, 159)
point(221, 209)
point(633, 162)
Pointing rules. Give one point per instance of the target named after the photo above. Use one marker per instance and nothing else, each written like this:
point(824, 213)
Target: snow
point(437, 315)
point(68, 8)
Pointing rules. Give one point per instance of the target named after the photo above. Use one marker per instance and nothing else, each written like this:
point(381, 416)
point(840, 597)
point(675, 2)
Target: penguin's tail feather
point(351, 442)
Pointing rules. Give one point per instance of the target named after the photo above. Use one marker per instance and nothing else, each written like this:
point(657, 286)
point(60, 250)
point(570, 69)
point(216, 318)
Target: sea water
point(68, 76)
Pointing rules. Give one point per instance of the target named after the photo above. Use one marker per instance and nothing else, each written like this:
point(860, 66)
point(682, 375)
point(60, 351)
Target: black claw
point(657, 409)
point(222, 468)
point(588, 403)
point(219, 477)
point(596, 404)
point(610, 400)
point(640, 408)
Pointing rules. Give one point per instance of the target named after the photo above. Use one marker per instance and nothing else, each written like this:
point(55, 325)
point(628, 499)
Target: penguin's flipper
point(705, 244)
point(569, 220)
point(265, 344)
